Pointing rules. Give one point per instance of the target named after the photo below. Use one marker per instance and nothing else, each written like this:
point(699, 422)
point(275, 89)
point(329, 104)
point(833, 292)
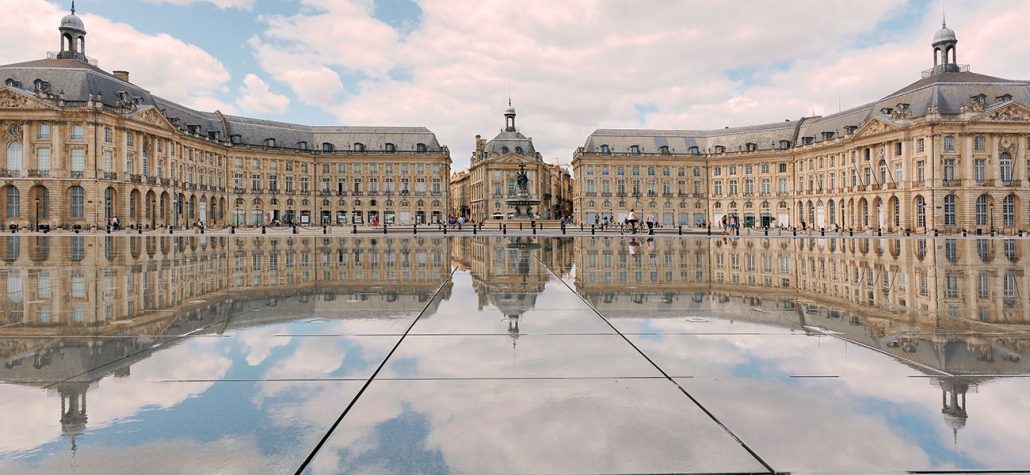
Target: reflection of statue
point(522, 179)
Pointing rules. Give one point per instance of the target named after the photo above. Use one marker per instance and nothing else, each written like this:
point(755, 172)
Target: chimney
point(121, 75)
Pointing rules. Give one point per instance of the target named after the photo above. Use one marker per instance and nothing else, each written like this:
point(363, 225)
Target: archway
point(820, 215)
point(134, 206)
point(881, 214)
point(40, 202)
point(10, 203)
point(164, 206)
point(894, 213)
point(151, 208)
point(110, 204)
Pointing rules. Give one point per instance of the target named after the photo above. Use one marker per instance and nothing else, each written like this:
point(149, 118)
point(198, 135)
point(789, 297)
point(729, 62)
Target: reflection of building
point(80, 145)
point(922, 301)
point(490, 182)
point(947, 152)
point(82, 308)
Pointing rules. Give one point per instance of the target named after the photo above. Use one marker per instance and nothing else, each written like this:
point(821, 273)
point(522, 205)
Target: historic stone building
point(947, 152)
point(491, 180)
point(79, 146)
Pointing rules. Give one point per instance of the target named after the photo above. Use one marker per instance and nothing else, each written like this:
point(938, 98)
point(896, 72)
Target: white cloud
point(223, 4)
point(256, 97)
point(578, 65)
point(162, 64)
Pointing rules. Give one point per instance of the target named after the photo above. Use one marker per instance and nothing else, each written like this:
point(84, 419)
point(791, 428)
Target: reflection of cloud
point(158, 457)
point(260, 342)
point(39, 414)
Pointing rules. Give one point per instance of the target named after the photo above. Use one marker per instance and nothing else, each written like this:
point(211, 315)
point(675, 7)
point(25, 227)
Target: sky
point(569, 67)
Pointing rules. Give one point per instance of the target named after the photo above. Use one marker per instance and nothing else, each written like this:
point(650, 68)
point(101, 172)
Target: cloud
point(222, 4)
point(578, 65)
point(162, 64)
point(255, 97)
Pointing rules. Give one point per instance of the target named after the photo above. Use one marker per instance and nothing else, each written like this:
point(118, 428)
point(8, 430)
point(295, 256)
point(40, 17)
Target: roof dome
point(944, 34)
point(509, 111)
point(72, 22)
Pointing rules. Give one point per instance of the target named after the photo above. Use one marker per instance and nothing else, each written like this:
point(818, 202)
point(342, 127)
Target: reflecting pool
point(511, 354)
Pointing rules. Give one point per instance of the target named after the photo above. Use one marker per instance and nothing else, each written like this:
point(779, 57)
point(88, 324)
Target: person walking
point(724, 225)
point(651, 221)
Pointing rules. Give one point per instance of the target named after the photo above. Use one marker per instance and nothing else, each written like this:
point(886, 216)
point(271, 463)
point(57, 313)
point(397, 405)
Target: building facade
point(80, 146)
point(482, 193)
point(947, 152)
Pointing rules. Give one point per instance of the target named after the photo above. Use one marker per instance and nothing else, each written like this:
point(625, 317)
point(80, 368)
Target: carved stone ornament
point(1007, 145)
point(874, 127)
point(12, 100)
point(151, 116)
point(1008, 113)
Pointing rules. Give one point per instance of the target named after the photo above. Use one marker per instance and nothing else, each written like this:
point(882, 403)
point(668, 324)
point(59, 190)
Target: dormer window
point(270, 142)
point(979, 100)
point(605, 149)
point(303, 145)
point(389, 147)
point(519, 150)
point(634, 149)
point(663, 150)
point(421, 148)
point(359, 147)
point(505, 150)
point(886, 110)
point(828, 135)
point(807, 140)
point(695, 150)
point(850, 129)
point(784, 144)
point(720, 149)
point(327, 147)
point(1003, 98)
point(10, 82)
point(212, 134)
point(193, 129)
point(235, 139)
point(750, 147)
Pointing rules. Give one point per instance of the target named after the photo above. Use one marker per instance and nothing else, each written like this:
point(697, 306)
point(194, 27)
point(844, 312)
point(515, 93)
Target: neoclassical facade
point(79, 146)
point(482, 192)
point(947, 152)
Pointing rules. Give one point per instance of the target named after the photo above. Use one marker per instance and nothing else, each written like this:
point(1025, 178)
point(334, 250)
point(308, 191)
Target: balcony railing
point(150, 180)
point(166, 181)
point(256, 190)
point(134, 178)
point(238, 190)
point(955, 183)
point(79, 174)
point(39, 173)
point(273, 191)
point(10, 172)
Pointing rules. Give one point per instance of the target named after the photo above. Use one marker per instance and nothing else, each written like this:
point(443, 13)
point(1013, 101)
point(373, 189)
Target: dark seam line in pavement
point(659, 368)
point(978, 375)
point(968, 471)
point(368, 382)
point(813, 376)
point(334, 335)
point(441, 378)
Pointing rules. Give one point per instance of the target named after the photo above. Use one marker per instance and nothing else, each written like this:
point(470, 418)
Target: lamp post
point(37, 212)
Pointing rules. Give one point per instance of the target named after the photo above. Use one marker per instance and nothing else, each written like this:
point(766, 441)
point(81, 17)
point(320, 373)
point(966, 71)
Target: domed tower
point(945, 58)
point(509, 118)
point(73, 37)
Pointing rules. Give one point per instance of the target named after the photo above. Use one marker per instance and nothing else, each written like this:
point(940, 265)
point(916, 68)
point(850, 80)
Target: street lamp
point(37, 212)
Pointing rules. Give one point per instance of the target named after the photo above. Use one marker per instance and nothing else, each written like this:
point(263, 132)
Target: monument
point(523, 203)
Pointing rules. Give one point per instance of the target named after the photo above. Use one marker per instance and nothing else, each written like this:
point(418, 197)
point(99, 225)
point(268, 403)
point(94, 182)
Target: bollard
point(581, 227)
point(232, 229)
point(767, 230)
point(354, 230)
point(563, 228)
point(795, 230)
point(504, 229)
point(108, 229)
point(414, 228)
point(384, 228)
point(445, 230)
point(520, 226)
point(263, 231)
point(879, 232)
point(325, 229)
point(935, 233)
point(822, 231)
point(709, 226)
point(591, 229)
point(474, 229)
point(170, 229)
point(681, 230)
point(294, 229)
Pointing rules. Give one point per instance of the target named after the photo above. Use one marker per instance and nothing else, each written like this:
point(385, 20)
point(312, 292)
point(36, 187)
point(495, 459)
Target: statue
point(522, 180)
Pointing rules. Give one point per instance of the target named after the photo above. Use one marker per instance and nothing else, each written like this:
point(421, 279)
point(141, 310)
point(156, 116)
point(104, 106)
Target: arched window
point(949, 210)
point(981, 210)
point(108, 203)
point(519, 150)
point(14, 150)
point(1008, 210)
point(13, 202)
point(1005, 164)
point(77, 195)
point(832, 210)
point(920, 212)
point(42, 202)
point(505, 150)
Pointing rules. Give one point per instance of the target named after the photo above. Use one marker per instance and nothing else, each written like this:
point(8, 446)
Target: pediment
point(150, 115)
point(1011, 112)
point(513, 158)
point(875, 127)
point(11, 98)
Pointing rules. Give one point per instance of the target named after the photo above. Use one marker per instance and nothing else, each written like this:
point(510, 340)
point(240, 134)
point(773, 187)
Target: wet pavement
point(499, 354)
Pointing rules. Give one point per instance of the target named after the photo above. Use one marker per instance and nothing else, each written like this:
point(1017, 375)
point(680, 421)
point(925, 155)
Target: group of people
point(631, 221)
point(457, 221)
point(730, 226)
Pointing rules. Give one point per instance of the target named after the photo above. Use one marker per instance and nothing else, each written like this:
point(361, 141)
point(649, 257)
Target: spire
point(73, 7)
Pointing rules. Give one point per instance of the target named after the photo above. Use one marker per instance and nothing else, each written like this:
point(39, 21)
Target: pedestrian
point(724, 224)
point(633, 246)
point(651, 221)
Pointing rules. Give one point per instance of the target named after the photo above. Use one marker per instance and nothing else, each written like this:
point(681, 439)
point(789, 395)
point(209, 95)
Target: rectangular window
point(897, 149)
point(108, 161)
point(980, 170)
point(78, 132)
point(107, 135)
point(43, 132)
point(980, 143)
point(949, 143)
point(43, 159)
point(920, 171)
point(949, 169)
point(78, 160)
point(920, 145)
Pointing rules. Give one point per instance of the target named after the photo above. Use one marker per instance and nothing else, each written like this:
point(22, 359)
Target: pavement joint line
point(892, 355)
point(665, 374)
point(382, 364)
point(413, 379)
